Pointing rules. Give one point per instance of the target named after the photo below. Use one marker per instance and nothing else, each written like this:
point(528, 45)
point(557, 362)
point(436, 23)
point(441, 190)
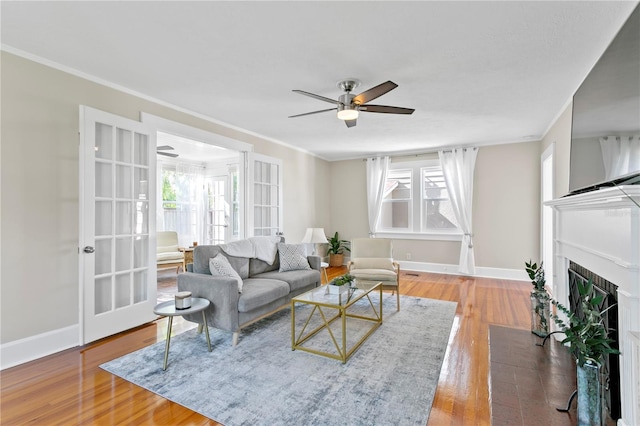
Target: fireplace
point(597, 235)
point(609, 305)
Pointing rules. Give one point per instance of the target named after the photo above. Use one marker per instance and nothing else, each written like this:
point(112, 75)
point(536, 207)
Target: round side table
point(168, 309)
point(324, 266)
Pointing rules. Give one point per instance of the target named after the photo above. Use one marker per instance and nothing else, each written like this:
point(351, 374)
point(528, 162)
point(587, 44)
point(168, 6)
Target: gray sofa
point(264, 289)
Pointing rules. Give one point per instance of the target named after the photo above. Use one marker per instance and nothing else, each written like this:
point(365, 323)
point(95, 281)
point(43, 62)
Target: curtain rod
point(423, 154)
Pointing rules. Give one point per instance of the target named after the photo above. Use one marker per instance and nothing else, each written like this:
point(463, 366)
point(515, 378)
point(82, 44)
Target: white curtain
point(457, 167)
point(621, 155)
point(376, 176)
point(188, 217)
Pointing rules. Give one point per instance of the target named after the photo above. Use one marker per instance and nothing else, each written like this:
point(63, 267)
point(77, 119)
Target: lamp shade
point(315, 236)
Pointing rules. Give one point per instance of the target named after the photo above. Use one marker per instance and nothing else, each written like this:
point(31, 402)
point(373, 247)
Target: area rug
point(390, 379)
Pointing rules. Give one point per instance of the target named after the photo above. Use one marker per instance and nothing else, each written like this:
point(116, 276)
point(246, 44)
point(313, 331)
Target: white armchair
point(167, 251)
point(372, 261)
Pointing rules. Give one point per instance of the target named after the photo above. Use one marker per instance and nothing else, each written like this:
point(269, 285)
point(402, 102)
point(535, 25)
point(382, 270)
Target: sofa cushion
point(257, 292)
point(202, 254)
point(292, 257)
point(295, 279)
point(257, 266)
point(219, 266)
point(373, 263)
point(374, 275)
point(167, 249)
point(170, 256)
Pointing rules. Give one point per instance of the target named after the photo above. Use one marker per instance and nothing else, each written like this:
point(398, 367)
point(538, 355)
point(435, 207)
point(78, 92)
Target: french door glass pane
point(141, 219)
point(139, 286)
point(140, 251)
point(103, 180)
point(141, 149)
point(104, 141)
point(104, 217)
point(123, 146)
point(123, 290)
point(123, 254)
point(103, 257)
point(124, 217)
point(141, 178)
point(123, 181)
point(102, 295)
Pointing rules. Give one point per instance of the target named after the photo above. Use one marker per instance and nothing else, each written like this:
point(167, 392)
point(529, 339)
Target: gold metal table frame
point(320, 299)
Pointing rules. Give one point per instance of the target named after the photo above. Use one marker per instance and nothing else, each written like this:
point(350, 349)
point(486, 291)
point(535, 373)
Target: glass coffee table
point(355, 304)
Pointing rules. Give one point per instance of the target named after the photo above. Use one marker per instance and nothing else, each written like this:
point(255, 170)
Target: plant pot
point(337, 289)
point(540, 313)
point(336, 259)
point(591, 410)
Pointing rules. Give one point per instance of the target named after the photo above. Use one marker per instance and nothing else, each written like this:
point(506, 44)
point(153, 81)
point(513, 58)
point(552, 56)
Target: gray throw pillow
point(220, 267)
point(293, 257)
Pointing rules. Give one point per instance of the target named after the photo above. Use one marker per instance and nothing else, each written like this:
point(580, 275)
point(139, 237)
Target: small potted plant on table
point(336, 250)
point(340, 284)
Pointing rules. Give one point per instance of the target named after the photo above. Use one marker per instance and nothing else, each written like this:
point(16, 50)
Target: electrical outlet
point(408, 256)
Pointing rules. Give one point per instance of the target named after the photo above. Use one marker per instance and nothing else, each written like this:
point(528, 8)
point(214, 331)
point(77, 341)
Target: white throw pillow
point(220, 267)
point(292, 257)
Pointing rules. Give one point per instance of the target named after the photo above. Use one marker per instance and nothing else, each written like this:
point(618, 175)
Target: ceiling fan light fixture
point(348, 113)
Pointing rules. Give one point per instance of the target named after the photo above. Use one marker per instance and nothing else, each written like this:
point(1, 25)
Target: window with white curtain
point(183, 202)
point(416, 203)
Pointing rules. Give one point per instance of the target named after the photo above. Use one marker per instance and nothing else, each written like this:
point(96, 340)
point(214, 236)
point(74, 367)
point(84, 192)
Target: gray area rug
point(390, 380)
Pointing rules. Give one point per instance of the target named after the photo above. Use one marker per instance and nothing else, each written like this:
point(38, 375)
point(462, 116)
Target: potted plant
point(340, 284)
point(590, 343)
point(336, 250)
point(539, 300)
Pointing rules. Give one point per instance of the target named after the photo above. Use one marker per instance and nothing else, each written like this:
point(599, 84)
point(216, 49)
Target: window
point(416, 202)
point(182, 199)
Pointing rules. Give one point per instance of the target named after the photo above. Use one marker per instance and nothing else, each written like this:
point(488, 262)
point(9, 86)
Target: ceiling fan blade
point(313, 112)
point(164, 148)
point(167, 154)
point(350, 123)
point(320, 98)
point(374, 92)
point(386, 109)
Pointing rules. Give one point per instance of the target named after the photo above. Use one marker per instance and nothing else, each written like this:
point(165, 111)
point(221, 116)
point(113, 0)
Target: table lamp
point(315, 236)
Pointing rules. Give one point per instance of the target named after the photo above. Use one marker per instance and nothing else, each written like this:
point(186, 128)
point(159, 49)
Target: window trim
point(416, 206)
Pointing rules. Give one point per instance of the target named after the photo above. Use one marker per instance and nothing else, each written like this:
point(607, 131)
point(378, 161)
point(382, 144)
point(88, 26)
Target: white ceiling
point(476, 72)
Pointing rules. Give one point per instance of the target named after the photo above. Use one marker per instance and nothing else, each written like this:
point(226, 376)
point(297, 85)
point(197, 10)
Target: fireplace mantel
point(600, 230)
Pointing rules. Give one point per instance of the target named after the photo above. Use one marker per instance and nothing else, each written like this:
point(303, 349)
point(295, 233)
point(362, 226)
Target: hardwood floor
point(70, 388)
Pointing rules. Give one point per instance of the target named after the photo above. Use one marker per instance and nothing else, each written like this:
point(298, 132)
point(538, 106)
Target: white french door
point(117, 224)
point(218, 210)
point(264, 195)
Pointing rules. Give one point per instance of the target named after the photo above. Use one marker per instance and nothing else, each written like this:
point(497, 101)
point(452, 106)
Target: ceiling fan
point(350, 105)
point(160, 151)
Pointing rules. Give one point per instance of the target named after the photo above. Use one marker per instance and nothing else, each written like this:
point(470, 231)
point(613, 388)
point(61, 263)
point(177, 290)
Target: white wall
point(39, 192)
point(506, 217)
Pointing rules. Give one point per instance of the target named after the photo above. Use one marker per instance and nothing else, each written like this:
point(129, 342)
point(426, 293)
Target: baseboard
point(481, 271)
point(34, 347)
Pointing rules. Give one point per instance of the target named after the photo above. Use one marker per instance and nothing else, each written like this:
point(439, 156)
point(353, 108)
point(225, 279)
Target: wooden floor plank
point(70, 388)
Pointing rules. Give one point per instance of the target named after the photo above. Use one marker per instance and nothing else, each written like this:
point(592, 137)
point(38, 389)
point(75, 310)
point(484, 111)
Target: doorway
point(195, 158)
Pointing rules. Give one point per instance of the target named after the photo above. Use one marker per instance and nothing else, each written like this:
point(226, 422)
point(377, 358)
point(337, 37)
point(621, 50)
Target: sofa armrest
point(222, 292)
point(314, 262)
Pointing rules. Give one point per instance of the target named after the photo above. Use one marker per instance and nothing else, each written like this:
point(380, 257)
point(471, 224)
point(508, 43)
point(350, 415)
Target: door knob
point(89, 249)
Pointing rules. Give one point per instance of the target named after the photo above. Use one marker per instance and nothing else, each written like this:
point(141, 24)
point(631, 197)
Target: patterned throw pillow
point(293, 257)
point(220, 267)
